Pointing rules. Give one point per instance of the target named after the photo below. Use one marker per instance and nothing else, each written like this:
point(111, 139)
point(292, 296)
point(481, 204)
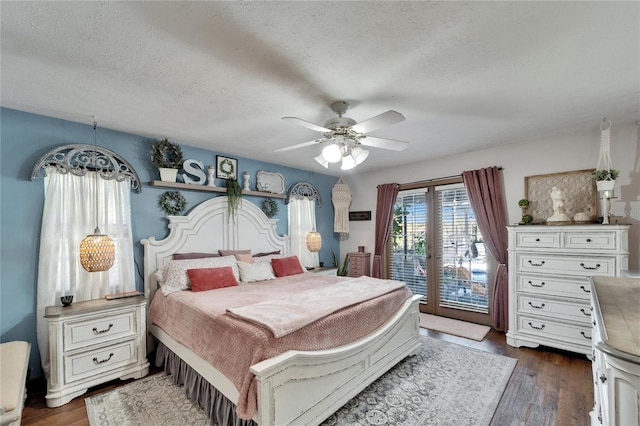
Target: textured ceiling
point(220, 75)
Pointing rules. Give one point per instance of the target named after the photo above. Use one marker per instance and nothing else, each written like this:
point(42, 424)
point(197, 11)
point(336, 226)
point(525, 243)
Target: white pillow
point(174, 276)
point(257, 271)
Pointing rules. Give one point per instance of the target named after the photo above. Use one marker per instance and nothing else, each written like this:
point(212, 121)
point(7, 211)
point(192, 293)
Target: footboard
point(304, 388)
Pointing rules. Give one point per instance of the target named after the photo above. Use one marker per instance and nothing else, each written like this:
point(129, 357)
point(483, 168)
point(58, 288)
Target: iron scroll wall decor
point(304, 190)
point(81, 158)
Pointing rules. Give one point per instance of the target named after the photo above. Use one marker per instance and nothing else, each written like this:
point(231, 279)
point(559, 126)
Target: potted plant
point(234, 196)
point(168, 158)
point(606, 178)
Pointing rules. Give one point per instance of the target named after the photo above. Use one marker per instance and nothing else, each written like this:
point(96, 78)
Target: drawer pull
point(536, 285)
point(96, 331)
point(537, 240)
point(537, 328)
point(590, 268)
point(538, 264)
point(588, 240)
point(536, 307)
point(102, 361)
point(594, 323)
point(586, 290)
point(603, 378)
point(585, 312)
point(585, 336)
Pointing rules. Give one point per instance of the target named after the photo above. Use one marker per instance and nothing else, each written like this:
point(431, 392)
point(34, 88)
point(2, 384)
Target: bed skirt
point(217, 407)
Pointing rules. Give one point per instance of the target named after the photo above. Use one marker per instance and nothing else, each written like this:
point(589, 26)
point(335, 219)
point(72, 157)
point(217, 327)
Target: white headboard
point(208, 228)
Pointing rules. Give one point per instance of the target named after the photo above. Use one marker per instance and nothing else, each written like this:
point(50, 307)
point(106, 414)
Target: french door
point(436, 248)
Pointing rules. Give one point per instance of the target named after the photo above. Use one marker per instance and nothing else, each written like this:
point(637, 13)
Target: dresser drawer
point(567, 265)
point(574, 287)
point(590, 241)
point(537, 240)
point(550, 329)
point(79, 334)
point(555, 309)
point(90, 363)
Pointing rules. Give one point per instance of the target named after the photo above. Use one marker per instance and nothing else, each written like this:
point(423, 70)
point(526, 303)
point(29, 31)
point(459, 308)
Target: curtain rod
point(445, 178)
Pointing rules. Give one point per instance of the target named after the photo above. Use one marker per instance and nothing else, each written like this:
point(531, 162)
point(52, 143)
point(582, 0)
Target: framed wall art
point(226, 167)
point(579, 195)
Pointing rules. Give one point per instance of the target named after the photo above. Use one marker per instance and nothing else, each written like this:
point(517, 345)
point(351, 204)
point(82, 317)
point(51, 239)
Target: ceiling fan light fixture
point(321, 160)
point(332, 153)
point(348, 162)
point(359, 154)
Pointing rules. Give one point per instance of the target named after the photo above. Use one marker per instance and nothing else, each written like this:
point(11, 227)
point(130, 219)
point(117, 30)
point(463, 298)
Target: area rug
point(445, 384)
point(465, 329)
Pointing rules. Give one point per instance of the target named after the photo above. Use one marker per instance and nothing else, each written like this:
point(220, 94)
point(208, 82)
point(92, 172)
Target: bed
point(297, 386)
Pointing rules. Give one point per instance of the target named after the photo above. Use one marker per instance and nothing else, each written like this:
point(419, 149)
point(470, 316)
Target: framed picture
point(363, 215)
point(579, 194)
point(226, 168)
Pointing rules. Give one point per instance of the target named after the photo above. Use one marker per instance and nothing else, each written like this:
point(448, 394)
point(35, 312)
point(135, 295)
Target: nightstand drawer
point(593, 241)
point(94, 362)
point(538, 239)
point(84, 333)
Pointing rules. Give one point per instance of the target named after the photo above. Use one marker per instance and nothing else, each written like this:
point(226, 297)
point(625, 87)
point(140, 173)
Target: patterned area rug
point(464, 329)
point(446, 384)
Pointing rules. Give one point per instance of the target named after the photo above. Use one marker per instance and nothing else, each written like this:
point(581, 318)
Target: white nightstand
point(94, 342)
point(324, 270)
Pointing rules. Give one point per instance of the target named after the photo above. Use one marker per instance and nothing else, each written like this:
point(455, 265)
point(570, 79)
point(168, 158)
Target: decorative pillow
point(258, 271)
point(174, 276)
point(286, 266)
point(267, 259)
point(211, 278)
point(244, 257)
point(233, 252)
point(269, 253)
point(182, 256)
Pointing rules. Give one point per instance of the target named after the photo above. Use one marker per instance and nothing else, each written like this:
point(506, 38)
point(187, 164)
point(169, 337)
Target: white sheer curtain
point(302, 220)
point(69, 214)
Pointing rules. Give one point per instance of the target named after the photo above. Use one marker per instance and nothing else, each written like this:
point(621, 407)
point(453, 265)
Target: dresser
point(549, 287)
point(359, 264)
point(616, 351)
point(94, 342)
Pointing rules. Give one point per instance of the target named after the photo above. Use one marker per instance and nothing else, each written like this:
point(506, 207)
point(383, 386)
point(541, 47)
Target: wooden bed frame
point(296, 387)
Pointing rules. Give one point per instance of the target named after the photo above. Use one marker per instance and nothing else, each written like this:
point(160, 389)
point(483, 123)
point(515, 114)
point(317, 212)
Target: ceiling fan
point(345, 136)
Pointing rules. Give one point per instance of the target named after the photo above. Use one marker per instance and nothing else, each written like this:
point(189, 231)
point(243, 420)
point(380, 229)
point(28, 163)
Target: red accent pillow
point(286, 266)
point(211, 278)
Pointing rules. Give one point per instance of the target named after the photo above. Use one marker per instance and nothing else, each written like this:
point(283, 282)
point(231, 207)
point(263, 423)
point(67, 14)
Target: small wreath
point(270, 208)
point(165, 154)
point(226, 168)
point(173, 203)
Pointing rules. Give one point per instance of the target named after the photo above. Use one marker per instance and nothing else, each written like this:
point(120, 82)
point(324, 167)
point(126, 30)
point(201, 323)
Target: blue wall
point(26, 137)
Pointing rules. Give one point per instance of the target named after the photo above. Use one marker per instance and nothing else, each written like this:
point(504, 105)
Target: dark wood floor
point(547, 387)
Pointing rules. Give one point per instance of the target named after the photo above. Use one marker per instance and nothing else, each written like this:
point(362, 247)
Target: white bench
point(14, 364)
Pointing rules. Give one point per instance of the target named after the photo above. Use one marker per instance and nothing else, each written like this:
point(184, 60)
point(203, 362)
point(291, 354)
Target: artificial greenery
point(527, 218)
point(523, 203)
point(166, 155)
point(270, 208)
point(342, 271)
point(172, 202)
point(603, 174)
point(234, 196)
point(226, 169)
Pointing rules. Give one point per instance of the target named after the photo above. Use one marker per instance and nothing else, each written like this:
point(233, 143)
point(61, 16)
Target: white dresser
point(616, 351)
point(94, 342)
point(549, 288)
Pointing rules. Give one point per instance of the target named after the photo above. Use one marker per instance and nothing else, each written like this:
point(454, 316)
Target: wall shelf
point(205, 188)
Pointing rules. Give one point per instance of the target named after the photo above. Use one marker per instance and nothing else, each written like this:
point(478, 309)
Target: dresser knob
point(603, 378)
point(537, 240)
point(588, 240)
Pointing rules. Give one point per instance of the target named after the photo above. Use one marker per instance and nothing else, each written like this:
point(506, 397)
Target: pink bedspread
point(200, 322)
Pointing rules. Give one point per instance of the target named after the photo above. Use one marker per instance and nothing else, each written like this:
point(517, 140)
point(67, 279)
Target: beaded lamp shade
point(314, 241)
point(97, 252)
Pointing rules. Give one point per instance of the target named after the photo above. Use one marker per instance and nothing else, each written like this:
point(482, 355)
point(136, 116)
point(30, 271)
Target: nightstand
point(324, 270)
point(94, 342)
point(359, 264)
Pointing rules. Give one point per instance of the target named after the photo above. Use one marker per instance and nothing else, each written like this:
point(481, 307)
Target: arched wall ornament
point(304, 190)
point(79, 159)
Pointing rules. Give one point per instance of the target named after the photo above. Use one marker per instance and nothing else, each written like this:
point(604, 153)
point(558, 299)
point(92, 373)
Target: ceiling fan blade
point(385, 119)
point(300, 145)
point(383, 143)
point(307, 124)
